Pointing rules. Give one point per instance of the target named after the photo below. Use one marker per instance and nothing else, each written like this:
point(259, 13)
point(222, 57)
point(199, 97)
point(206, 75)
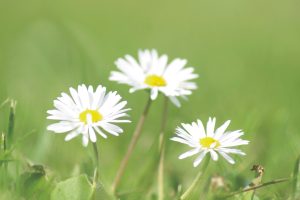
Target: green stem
point(3, 148)
point(3, 142)
point(189, 191)
point(11, 122)
point(96, 172)
point(162, 151)
point(132, 144)
point(259, 186)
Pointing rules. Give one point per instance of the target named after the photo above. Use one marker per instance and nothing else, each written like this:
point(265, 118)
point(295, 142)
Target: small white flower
point(209, 141)
point(153, 72)
point(88, 112)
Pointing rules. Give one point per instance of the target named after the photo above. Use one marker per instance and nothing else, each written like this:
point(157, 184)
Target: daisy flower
point(210, 141)
point(153, 72)
point(88, 112)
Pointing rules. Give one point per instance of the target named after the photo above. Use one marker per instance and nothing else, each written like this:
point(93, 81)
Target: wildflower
point(152, 72)
point(88, 112)
point(209, 141)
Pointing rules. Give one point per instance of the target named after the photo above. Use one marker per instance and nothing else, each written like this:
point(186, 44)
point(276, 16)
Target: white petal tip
point(131, 90)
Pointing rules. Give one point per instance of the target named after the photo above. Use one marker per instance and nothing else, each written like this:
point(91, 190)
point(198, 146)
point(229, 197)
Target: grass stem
point(96, 171)
point(258, 186)
point(132, 144)
point(162, 151)
point(11, 122)
point(96, 154)
point(189, 191)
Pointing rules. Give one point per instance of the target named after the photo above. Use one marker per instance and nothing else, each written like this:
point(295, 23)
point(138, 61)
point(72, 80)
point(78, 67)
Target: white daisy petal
point(214, 155)
point(111, 129)
point(177, 139)
point(86, 112)
point(222, 129)
point(189, 153)
point(201, 128)
point(227, 157)
point(214, 142)
point(75, 97)
point(62, 127)
point(100, 132)
point(199, 158)
point(154, 93)
point(175, 101)
point(92, 134)
point(234, 151)
point(74, 133)
point(210, 127)
point(71, 135)
point(85, 140)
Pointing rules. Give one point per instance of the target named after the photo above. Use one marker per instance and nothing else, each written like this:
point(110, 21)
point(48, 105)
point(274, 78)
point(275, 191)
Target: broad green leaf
point(75, 188)
point(34, 184)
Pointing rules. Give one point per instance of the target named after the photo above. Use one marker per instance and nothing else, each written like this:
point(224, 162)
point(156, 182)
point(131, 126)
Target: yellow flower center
point(208, 141)
point(154, 80)
point(95, 115)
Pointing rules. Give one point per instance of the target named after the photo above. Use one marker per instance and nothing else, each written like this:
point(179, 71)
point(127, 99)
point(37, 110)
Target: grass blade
point(11, 122)
point(296, 180)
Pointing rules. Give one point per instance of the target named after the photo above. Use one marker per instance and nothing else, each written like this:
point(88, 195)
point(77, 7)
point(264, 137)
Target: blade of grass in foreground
point(186, 195)
point(296, 180)
point(161, 148)
point(11, 122)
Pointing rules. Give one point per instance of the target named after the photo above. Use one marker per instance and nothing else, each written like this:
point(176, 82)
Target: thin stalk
point(189, 191)
point(96, 171)
point(3, 148)
point(3, 142)
point(132, 144)
point(162, 151)
point(96, 154)
point(11, 122)
point(259, 186)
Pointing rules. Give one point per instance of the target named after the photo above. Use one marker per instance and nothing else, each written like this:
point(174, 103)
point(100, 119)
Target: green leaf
point(34, 184)
point(76, 188)
point(296, 180)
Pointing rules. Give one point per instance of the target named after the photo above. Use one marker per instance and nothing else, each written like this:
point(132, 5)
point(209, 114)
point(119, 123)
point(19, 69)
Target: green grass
point(246, 52)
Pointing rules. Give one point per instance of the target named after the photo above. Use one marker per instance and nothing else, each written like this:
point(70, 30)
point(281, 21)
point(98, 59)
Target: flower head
point(153, 72)
point(209, 141)
point(88, 112)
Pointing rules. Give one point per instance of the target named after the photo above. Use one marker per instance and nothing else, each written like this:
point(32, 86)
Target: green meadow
point(245, 52)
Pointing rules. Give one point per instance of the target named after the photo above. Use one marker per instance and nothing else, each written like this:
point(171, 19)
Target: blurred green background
point(246, 53)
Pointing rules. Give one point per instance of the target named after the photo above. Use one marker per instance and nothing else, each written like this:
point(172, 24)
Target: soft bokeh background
point(246, 52)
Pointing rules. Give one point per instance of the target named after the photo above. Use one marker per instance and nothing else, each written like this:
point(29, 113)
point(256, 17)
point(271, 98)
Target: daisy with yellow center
point(87, 112)
point(153, 72)
point(209, 140)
